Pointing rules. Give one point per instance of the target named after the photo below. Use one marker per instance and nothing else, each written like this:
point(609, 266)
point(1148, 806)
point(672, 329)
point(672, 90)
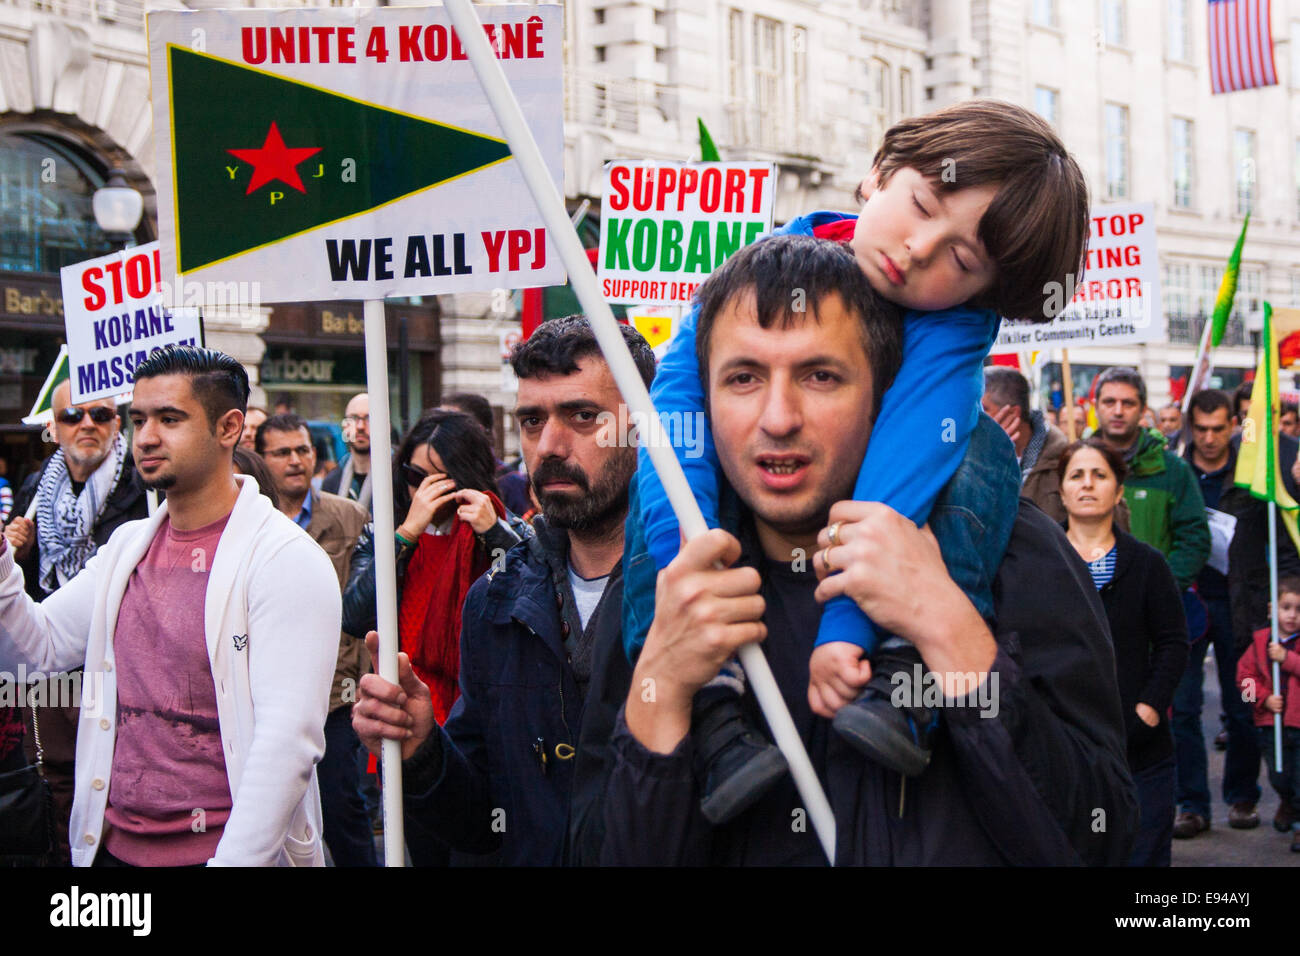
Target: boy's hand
point(836, 673)
point(1276, 652)
point(1273, 704)
point(1147, 714)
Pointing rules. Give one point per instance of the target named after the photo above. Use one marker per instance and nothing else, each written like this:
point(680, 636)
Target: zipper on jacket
point(564, 717)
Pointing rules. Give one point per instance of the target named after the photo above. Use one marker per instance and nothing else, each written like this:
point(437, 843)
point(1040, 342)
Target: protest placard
point(349, 153)
point(667, 226)
point(1117, 299)
point(114, 317)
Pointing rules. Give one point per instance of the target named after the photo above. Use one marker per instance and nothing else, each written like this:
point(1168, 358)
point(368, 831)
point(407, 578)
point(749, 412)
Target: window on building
point(1295, 54)
point(735, 55)
point(1176, 294)
point(1116, 151)
point(46, 220)
point(1047, 103)
point(600, 54)
point(1178, 32)
point(598, 15)
point(1295, 290)
point(877, 99)
point(904, 94)
point(1244, 172)
point(1297, 178)
point(768, 68)
point(798, 71)
point(1114, 22)
point(1250, 293)
point(661, 54)
point(661, 17)
point(1043, 12)
point(1182, 153)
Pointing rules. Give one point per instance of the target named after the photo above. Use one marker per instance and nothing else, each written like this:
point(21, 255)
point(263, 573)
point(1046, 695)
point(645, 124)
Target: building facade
point(808, 85)
point(812, 86)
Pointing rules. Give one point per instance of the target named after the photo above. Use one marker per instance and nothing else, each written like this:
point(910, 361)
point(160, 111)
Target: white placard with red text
point(114, 318)
point(1117, 300)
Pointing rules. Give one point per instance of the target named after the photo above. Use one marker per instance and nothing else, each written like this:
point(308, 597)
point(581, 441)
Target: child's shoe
point(733, 762)
point(897, 737)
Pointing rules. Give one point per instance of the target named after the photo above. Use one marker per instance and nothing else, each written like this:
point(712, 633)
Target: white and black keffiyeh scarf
point(1035, 447)
point(65, 522)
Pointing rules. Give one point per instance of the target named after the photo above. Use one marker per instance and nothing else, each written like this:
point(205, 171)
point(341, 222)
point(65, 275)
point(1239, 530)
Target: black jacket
point(1248, 553)
point(1042, 781)
point(500, 776)
point(359, 614)
point(1145, 611)
point(126, 502)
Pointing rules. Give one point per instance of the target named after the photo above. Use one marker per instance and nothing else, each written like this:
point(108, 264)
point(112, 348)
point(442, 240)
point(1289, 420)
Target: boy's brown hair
point(1036, 228)
point(1288, 585)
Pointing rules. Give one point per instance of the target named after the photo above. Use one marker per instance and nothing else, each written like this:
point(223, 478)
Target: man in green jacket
point(1167, 511)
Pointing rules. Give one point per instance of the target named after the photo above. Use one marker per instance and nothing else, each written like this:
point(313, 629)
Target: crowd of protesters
point(1035, 610)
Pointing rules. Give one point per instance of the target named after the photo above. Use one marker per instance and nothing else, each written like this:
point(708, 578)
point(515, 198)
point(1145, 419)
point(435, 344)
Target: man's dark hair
point(1114, 459)
point(463, 447)
point(1242, 394)
point(1120, 375)
point(1006, 386)
point(1208, 401)
point(476, 406)
point(786, 271)
point(218, 381)
point(252, 464)
point(1289, 407)
point(284, 422)
point(556, 345)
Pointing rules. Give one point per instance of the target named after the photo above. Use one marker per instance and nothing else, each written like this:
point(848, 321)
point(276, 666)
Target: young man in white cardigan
point(208, 632)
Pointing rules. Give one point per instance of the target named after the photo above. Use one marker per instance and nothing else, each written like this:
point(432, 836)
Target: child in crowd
point(1255, 677)
point(968, 214)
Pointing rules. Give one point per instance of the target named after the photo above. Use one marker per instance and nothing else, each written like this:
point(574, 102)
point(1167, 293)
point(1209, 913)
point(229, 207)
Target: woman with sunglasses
point(450, 526)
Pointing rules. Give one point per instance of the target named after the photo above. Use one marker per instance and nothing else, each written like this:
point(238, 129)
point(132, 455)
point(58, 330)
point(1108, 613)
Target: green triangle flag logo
point(259, 158)
point(42, 412)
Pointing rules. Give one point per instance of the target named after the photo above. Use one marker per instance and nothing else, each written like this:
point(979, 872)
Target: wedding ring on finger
point(833, 533)
point(826, 561)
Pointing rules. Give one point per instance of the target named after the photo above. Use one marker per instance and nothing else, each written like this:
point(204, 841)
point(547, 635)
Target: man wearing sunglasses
point(85, 490)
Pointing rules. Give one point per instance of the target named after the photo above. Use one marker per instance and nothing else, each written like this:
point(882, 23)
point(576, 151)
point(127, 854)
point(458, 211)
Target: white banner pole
point(1274, 637)
point(583, 279)
point(381, 484)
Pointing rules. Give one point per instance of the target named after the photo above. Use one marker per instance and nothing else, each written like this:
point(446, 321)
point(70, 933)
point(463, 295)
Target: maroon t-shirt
point(168, 798)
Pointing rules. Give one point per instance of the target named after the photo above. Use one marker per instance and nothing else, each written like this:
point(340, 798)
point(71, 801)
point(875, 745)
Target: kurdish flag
point(281, 157)
point(1258, 467)
point(1227, 289)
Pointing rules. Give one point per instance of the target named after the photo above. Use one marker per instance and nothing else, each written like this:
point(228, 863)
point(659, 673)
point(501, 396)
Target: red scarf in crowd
point(437, 579)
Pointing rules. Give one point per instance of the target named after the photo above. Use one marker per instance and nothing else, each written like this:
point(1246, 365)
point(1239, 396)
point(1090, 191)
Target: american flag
point(1241, 45)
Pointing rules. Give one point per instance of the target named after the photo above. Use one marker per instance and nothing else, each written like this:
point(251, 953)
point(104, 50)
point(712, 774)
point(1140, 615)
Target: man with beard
point(84, 492)
point(499, 777)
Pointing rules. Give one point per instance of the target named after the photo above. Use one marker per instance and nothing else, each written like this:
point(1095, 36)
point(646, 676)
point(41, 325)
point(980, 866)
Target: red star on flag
point(274, 160)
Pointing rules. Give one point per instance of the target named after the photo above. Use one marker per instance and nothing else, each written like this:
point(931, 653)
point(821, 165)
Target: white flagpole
point(1272, 588)
point(583, 279)
point(1196, 379)
point(381, 484)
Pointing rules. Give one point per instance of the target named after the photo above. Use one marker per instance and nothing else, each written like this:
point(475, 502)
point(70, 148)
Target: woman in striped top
point(1148, 631)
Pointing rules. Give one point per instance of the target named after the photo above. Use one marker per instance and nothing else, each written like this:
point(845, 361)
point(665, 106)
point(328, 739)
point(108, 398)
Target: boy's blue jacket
point(926, 418)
